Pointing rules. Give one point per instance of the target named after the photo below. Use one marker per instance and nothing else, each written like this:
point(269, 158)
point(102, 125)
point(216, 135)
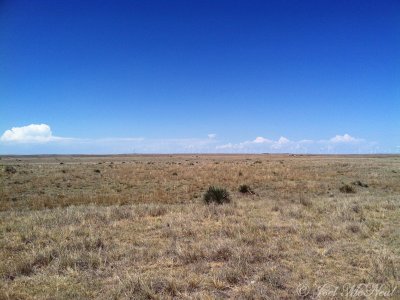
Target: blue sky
point(199, 76)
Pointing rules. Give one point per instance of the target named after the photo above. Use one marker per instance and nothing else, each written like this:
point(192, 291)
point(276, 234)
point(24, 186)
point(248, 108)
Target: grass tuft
point(245, 189)
point(347, 189)
point(216, 195)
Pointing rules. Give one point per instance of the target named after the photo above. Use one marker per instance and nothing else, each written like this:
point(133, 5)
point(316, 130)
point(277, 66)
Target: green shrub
point(217, 195)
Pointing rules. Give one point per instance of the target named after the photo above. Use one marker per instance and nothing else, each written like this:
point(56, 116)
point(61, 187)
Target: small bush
point(97, 171)
point(348, 189)
point(217, 195)
point(245, 189)
point(10, 170)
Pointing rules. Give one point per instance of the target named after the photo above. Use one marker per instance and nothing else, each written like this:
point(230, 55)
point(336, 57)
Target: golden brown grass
point(136, 227)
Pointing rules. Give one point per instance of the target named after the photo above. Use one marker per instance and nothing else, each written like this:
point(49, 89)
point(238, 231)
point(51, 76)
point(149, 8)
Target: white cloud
point(260, 140)
point(34, 133)
point(212, 135)
point(226, 146)
point(346, 138)
point(282, 140)
point(258, 144)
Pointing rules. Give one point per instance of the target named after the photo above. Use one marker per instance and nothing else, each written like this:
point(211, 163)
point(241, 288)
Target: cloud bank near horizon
point(33, 137)
point(337, 144)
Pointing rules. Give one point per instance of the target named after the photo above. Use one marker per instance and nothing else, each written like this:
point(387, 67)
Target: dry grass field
point(136, 227)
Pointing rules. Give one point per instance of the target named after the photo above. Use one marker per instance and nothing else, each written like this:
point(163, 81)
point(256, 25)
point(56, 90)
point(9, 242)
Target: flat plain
point(136, 226)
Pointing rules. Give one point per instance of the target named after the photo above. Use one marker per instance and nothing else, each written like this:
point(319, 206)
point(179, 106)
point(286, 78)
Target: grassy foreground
point(136, 227)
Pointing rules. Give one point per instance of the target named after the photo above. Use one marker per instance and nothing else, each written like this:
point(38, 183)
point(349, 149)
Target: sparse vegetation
point(138, 232)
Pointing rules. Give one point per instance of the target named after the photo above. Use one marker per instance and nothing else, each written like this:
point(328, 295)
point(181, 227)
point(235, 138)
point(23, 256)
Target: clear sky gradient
point(199, 76)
